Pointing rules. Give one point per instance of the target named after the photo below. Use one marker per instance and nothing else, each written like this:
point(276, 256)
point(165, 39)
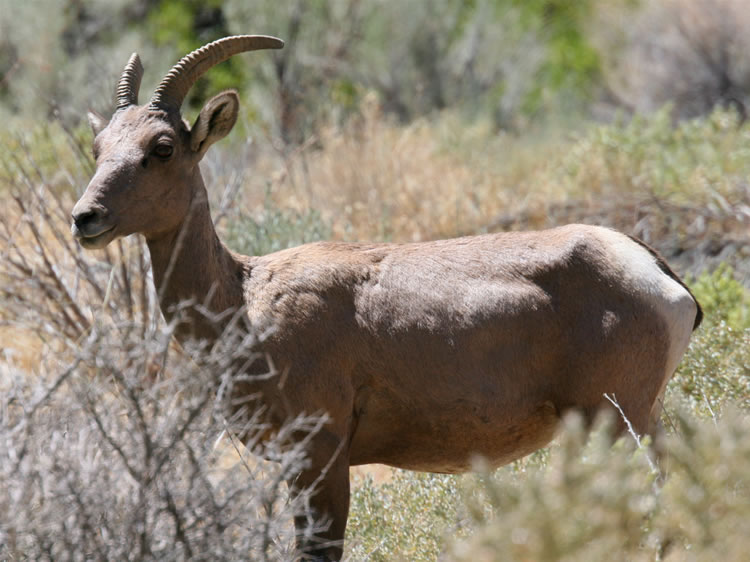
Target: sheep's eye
point(163, 150)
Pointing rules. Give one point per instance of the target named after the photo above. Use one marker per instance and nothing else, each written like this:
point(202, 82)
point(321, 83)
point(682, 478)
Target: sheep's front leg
point(328, 480)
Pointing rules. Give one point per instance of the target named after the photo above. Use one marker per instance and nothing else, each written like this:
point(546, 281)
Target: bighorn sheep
point(423, 354)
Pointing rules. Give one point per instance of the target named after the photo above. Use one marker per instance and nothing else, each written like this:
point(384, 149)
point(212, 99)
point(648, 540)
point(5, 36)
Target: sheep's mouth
point(94, 240)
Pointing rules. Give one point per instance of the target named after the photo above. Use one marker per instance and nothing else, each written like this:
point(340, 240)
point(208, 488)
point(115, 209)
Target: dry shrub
point(96, 465)
point(689, 53)
point(52, 291)
point(109, 431)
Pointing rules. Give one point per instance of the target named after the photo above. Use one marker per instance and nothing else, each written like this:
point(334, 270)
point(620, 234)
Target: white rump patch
point(641, 272)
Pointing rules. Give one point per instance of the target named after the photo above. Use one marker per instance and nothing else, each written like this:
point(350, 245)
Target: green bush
point(407, 518)
point(598, 502)
point(275, 229)
point(505, 59)
point(700, 161)
point(723, 298)
point(716, 369)
point(50, 153)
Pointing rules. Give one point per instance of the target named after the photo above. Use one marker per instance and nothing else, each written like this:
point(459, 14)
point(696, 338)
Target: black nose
point(83, 218)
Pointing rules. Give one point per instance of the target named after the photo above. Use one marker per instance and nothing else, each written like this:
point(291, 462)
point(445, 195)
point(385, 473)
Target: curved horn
point(175, 85)
point(130, 82)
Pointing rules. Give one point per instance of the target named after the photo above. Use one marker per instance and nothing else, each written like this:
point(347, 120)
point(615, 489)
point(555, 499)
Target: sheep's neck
point(191, 266)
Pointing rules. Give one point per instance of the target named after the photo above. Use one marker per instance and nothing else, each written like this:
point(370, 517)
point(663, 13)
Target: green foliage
point(589, 501)
point(47, 152)
point(703, 512)
point(503, 59)
point(425, 57)
point(408, 518)
point(182, 26)
point(571, 64)
point(715, 372)
point(705, 158)
point(723, 298)
point(716, 369)
point(275, 229)
point(171, 24)
point(597, 502)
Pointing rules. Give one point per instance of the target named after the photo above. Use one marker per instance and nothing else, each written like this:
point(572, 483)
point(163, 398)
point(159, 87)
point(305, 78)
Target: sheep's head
point(147, 155)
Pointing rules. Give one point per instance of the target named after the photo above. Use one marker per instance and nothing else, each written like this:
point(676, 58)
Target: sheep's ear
point(215, 121)
point(96, 121)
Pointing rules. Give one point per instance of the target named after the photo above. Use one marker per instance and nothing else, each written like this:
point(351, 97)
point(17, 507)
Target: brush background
point(380, 120)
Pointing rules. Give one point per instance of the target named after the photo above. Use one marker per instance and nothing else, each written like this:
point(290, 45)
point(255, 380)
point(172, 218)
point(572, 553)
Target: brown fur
point(422, 355)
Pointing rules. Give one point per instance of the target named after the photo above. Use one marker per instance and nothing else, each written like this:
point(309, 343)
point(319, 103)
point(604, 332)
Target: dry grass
point(374, 180)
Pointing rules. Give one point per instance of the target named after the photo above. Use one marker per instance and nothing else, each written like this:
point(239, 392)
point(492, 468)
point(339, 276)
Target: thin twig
point(631, 430)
